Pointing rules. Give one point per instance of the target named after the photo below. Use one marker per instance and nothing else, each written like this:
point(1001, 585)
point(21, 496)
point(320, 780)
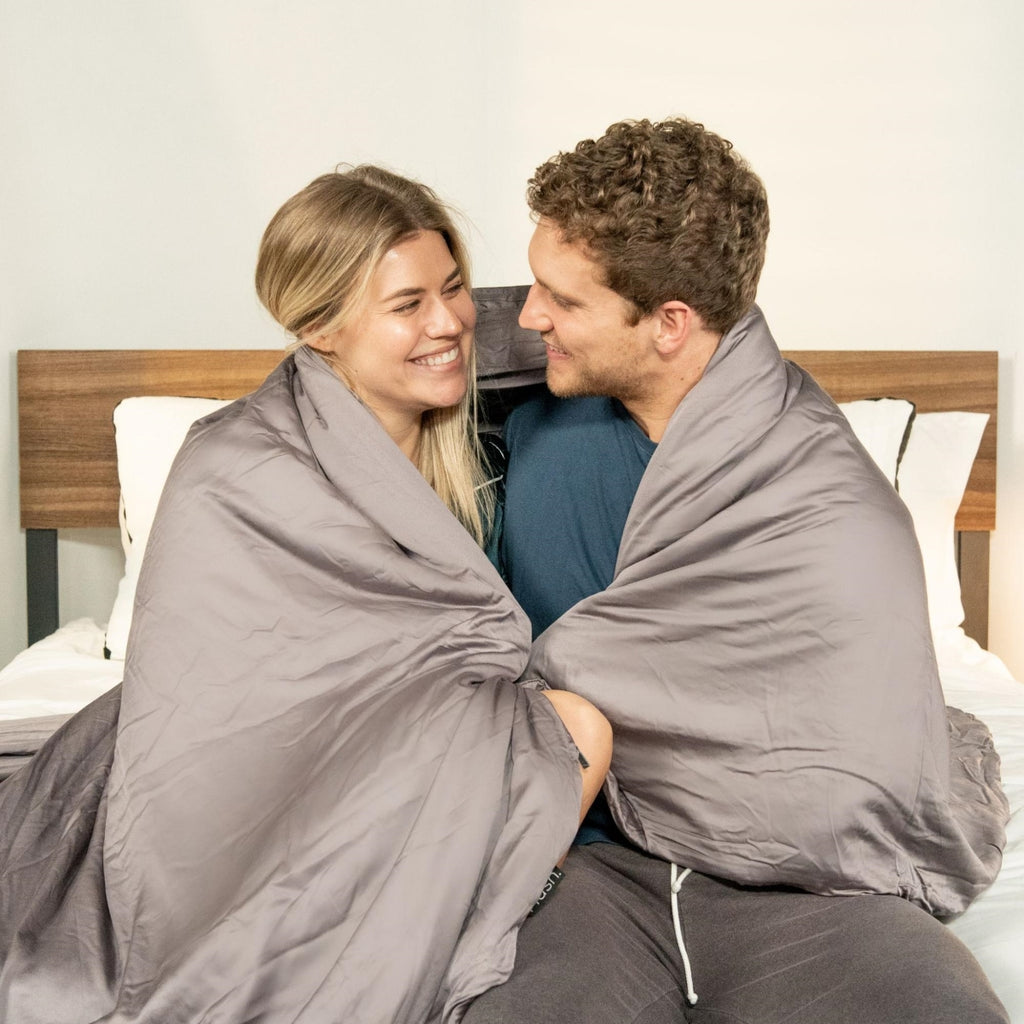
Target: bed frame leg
point(973, 566)
point(41, 578)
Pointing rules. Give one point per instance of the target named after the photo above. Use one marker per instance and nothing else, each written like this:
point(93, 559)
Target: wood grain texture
point(66, 401)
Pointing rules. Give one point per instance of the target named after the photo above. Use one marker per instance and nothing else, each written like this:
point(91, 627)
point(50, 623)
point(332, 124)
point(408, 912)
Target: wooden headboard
point(68, 460)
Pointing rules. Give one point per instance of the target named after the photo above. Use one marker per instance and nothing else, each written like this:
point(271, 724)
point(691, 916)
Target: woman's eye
point(454, 288)
point(408, 307)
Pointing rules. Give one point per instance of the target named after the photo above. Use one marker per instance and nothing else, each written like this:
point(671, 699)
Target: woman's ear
point(321, 342)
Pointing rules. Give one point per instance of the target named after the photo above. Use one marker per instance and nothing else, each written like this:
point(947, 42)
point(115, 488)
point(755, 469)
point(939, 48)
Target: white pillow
point(881, 426)
point(148, 433)
point(932, 478)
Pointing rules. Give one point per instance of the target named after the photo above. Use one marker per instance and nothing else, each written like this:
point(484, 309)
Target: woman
point(318, 795)
point(367, 268)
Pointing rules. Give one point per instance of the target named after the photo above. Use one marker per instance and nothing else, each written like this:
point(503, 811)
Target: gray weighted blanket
point(765, 657)
point(320, 795)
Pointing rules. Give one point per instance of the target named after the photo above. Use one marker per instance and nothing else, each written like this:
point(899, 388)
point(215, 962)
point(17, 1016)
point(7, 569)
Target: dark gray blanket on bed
point(22, 737)
point(765, 658)
point(319, 795)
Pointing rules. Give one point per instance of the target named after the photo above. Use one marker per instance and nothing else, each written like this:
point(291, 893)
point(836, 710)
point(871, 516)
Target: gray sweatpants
point(602, 950)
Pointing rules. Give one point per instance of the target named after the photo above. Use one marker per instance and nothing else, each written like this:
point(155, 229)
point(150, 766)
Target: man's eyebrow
point(557, 295)
point(405, 293)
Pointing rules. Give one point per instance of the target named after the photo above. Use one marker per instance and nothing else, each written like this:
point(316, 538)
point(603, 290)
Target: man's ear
point(674, 322)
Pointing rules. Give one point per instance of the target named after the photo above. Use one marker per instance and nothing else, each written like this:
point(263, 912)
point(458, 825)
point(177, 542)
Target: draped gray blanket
point(765, 659)
point(319, 795)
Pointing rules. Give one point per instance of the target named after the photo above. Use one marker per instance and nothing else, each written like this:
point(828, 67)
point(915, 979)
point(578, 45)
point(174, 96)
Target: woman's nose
point(443, 321)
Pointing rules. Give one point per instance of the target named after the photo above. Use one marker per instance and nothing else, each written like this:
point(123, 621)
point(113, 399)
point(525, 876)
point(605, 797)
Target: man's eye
point(560, 302)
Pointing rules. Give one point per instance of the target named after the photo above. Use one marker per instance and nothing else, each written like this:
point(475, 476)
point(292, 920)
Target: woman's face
point(407, 348)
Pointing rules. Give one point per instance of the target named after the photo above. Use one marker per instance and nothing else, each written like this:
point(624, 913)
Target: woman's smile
point(439, 359)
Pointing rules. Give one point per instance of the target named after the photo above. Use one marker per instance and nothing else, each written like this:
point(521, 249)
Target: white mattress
point(65, 671)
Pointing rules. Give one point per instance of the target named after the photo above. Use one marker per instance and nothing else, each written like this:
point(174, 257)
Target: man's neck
point(653, 410)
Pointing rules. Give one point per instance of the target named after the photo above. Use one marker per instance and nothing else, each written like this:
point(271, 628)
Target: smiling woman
point(367, 269)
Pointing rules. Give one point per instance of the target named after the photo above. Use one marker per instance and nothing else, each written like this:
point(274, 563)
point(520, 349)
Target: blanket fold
point(765, 658)
point(327, 800)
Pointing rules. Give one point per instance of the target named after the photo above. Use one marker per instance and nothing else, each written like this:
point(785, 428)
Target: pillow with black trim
point(883, 426)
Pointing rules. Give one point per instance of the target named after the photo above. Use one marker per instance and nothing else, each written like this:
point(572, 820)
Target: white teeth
point(439, 360)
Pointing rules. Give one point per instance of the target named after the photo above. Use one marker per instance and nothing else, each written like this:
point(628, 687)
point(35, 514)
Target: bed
point(929, 419)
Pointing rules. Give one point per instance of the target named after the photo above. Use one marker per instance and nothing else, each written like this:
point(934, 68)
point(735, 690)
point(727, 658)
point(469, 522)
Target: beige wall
point(145, 145)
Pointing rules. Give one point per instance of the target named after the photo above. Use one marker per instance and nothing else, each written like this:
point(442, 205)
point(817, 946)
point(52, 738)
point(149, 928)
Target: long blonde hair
point(315, 263)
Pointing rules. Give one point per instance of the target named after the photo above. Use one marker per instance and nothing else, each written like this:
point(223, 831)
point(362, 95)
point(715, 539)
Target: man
point(708, 555)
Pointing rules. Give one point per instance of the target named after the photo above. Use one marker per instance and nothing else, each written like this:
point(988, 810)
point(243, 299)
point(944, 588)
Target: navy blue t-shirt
point(573, 469)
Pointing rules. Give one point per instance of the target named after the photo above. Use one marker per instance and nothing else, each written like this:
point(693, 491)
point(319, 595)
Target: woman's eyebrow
point(403, 293)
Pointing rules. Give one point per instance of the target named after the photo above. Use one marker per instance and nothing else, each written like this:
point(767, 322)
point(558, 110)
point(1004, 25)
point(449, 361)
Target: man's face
point(592, 349)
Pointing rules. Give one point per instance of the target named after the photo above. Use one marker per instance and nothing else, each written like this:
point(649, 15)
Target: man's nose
point(532, 316)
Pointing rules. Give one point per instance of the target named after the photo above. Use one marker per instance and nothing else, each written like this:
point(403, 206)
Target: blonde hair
point(315, 263)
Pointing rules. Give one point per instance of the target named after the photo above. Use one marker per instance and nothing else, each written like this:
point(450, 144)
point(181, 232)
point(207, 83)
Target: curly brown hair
point(668, 210)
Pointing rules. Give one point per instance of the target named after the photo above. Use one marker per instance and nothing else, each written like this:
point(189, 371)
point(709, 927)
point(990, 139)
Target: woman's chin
point(444, 397)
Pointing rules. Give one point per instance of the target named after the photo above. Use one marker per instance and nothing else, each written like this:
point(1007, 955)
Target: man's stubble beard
point(624, 383)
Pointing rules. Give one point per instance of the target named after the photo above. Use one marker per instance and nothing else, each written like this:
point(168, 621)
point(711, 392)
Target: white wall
point(145, 145)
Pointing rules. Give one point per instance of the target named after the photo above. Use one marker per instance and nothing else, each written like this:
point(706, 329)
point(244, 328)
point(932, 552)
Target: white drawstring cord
point(678, 877)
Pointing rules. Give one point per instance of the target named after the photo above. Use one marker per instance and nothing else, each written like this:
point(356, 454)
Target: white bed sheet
point(59, 674)
point(65, 671)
